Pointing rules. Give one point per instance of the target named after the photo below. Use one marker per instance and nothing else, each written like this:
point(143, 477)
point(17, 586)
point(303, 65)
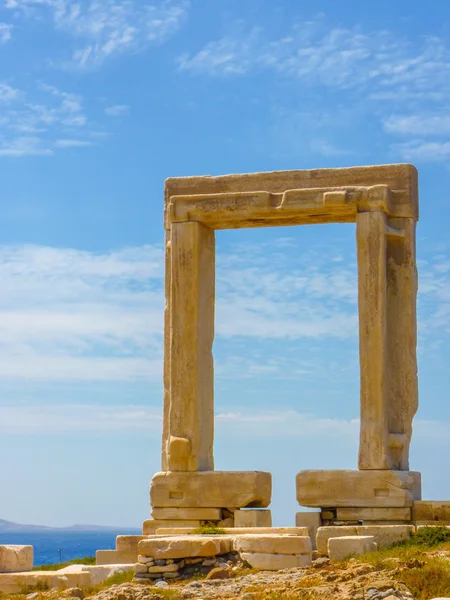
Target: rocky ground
point(322, 581)
point(353, 580)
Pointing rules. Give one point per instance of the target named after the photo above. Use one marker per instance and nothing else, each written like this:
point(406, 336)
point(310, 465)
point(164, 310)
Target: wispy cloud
point(72, 143)
point(105, 28)
point(37, 121)
point(423, 151)
point(374, 62)
point(424, 125)
point(117, 110)
point(7, 93)
point(24, 146)
point(377, 70)
point(5, 32)
point(72, 315)
point(18, 418)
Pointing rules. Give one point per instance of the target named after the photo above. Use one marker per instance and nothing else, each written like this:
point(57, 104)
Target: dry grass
point(432, 580)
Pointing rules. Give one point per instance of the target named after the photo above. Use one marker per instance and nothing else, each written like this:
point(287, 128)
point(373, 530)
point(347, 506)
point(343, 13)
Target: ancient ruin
point(383, 202)
point(355, 511)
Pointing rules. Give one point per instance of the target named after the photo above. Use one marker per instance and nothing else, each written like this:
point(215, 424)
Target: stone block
point(238, 530)
point(431, 510)
point(253, 518)
point(14, 559)
point(151, 526)
point(164, 569)
point(311, 520)
point(275, 562)
point(128, 544)
point(180, 547)
point(206, 489)
point(373, 514)
point(187, 514)
point(272, 544)
point(343, 547)
point(347, 488)
point(384, 535)
point(114, 557)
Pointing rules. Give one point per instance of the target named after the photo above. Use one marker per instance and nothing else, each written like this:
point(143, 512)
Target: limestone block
point(13, 583)
point(164, 569)
point(206, 489)
point(358, 488)
point(253, 518)
point(115, 557)
point(151, 526)
point(14, 559)
point(128, 544)
point(384, 535)
point(431, 510)
point(187, 514)
point(343, 547)
point(226, 523)
point(373, 514)
point(303, 531)
point(276, 562)
point(272, 544)
point(311, 520)
point(180, 547)
point(254, 199)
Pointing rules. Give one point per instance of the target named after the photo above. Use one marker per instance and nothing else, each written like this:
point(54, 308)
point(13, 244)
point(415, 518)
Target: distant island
point(9, 527)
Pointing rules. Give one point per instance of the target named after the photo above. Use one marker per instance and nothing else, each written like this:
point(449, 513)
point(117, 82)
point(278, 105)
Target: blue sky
point(99, 103)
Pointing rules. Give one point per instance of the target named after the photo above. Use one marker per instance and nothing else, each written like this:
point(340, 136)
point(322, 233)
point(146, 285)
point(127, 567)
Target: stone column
point(372, 253)
point(190, 431)
point(387, 288)
point(402, 337)
point(167, 329)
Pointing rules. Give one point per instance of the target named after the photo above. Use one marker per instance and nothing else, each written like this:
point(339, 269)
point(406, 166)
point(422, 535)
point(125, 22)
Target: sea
point(61, 546)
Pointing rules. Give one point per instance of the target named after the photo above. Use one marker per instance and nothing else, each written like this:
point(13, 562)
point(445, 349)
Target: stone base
point(276, 562)
point(431, 511)
point(384, 535)
point(162, 555)
point(211, 489)
point(311, 520)
point(345, 547)
point(187, 514)
point(151, 526)
point(253, 518)
point(354, 489)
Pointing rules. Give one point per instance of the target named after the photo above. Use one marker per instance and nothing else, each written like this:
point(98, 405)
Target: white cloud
point(367, 70)
point(72, 143)
point(422, 151)
point(7, 93)
point(19, 418)
point(60, 419)
point(5, 32)
point(109, 27)
point(24, 146)
point(429, 125)
point(117, 110)
point(374, 62)
point(72, 315)
point(36, 121)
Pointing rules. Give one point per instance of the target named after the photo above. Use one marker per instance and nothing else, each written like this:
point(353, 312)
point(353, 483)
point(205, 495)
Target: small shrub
point(430, 581)
point(209, 529)
point(428, 536)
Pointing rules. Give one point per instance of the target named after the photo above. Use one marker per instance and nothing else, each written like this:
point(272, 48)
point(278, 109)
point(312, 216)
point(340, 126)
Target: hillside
point(10, 527)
